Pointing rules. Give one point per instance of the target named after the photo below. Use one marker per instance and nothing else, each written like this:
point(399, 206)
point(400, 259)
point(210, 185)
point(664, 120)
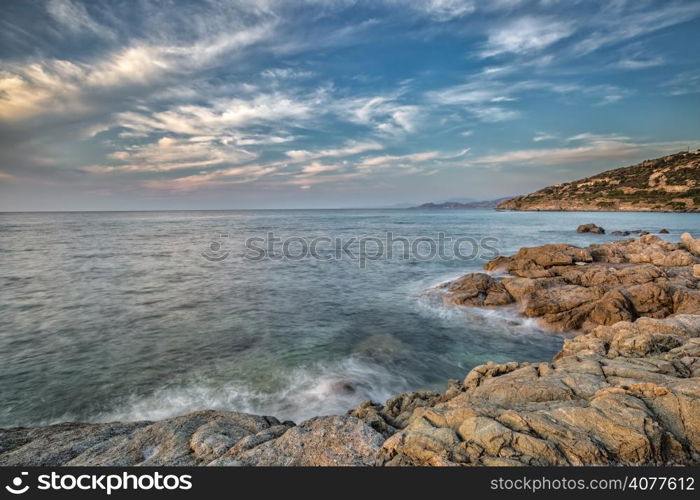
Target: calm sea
point(131, 315)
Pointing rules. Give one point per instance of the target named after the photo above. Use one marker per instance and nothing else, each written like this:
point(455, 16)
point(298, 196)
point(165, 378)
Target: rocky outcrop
point(590, 228)
point(667, 184)
point(626, 394)
point(201, 438)
point(691, 244)
point(569, 288)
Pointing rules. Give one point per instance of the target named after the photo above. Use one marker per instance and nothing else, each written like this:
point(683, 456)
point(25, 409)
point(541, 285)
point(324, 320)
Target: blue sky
point(271, 104)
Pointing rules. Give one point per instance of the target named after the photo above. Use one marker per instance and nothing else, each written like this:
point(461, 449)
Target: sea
point(108, 316)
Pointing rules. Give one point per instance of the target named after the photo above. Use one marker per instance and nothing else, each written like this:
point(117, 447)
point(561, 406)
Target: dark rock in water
point(590, 228)
point(639, 232)
point(343, 387)
point(383, 348)
point(663, 231)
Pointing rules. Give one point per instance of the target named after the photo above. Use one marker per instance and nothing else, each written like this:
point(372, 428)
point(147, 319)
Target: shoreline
point(620, 392)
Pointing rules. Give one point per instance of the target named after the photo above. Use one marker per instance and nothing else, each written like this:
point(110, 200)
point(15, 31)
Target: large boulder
point(534, 262)
point(691, 244)
point(476, 289)
point(321, 441)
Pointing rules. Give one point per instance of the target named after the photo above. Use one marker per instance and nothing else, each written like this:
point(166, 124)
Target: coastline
point(621, 392)
point(596, 209)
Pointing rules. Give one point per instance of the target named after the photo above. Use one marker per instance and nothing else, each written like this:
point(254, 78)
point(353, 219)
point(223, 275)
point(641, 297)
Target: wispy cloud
point(442, 10)
point(607, 29)
point(236, 175)
point(543, 136)
point(526, 35)
point(641, 62)
point(174, 154)
point(75, 17)
point(587, 147)
point(55, 85)
point(687, 82)
point(349, 149)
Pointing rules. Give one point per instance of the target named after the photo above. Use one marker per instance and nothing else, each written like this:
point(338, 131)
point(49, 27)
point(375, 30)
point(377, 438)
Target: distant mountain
point(667, 184)
point(455, 205)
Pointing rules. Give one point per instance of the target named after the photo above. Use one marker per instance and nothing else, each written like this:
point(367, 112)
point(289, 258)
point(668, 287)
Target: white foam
point(323, 389)
point(504, 318)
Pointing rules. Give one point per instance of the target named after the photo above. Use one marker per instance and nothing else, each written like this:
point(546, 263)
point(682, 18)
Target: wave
point(322, 389)
point(504, 319)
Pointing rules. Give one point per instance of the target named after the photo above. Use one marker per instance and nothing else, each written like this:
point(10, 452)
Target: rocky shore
point(624, 391)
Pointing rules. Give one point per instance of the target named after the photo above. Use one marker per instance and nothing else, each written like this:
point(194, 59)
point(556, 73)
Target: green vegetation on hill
point(667, 184)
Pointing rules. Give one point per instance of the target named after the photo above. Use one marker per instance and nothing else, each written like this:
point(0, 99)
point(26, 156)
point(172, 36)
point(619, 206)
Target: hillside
point(667, 184)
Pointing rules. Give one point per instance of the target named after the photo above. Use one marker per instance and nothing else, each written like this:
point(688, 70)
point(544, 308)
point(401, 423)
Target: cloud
point(543, 136)
point(76, 19)
point(641, 63)
point(318, 168)
point(443, 10)
point(221, 115)
point(590, 147)
point(526, 35)
point(384, 113)
point(169, 153)
point(236, 175)
point(351, 148)
point(398, 160)
point(611, 28)
point(481, 97)
point(687, 82)
point(56, 85)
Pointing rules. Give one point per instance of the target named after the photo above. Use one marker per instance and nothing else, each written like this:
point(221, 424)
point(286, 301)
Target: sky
point(146, 105)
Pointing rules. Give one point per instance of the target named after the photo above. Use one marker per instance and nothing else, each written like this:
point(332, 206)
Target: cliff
point(667, 184)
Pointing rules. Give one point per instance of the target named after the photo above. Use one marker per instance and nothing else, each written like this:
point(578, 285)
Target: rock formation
point(569, 288)
point(626, 391)
point(627, 394)
point(201, 438)
point(590, 228)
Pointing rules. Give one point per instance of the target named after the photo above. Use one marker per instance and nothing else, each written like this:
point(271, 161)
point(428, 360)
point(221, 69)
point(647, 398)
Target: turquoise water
point(109, 316)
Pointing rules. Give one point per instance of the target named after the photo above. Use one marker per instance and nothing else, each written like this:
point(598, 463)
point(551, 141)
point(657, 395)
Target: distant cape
point(455, 205)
